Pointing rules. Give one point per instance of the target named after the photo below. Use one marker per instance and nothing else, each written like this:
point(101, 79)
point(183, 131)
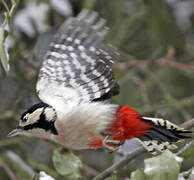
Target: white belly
point(78, 126)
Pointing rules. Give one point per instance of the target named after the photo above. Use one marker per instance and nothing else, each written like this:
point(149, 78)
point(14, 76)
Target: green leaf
point(67, 164)
point(3, 34)
point(3, 52)
point(113, 177)
point(164, 166)
point(138, 175)
point(186, 174)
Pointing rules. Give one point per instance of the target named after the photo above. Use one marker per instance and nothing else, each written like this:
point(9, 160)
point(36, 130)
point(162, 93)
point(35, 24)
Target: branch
point(90, 170)
point(8, 170)
point(134, 154)
point(5, 5)
point(165, 61)
point(159, 62)
point(119, 164)
point(188, 124)
point(7, 115)
point(185, 148)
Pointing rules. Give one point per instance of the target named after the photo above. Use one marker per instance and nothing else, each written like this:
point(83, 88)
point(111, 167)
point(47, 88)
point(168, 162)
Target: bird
point(74, 85)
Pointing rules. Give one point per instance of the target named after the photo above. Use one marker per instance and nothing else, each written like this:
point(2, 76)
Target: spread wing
point(77, 65)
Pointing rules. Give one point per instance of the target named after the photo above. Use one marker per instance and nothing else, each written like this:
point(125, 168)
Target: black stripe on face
point(32, 109)
point(42, 123)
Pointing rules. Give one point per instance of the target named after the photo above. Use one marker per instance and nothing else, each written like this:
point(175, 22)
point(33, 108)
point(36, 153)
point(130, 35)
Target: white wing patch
point(53, 94)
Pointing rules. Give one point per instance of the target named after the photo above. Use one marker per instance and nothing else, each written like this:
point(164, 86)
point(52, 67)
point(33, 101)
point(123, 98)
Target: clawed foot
point(111, 148)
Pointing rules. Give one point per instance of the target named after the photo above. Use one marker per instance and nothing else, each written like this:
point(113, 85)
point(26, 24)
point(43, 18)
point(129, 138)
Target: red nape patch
point(128, 124)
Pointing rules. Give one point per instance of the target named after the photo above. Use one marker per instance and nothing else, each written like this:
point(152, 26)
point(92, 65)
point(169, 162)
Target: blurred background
point(155, 73)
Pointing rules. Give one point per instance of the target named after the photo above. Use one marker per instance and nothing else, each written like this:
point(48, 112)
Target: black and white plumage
point(74, 80)
point(78, 62)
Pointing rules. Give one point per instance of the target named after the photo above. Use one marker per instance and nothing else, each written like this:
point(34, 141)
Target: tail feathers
point(162, 135)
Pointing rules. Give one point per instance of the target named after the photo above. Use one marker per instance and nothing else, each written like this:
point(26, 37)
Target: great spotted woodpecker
point(74, 83)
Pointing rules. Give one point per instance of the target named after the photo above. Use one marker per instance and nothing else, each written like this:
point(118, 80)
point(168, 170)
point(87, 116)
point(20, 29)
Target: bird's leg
point(113, 146)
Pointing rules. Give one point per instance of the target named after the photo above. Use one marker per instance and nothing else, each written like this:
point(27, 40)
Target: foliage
point(164, 166)
point(67, 164)
point(155, 73)
point(4, 57)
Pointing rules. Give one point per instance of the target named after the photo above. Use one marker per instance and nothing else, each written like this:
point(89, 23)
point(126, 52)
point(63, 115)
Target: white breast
point(78, 124)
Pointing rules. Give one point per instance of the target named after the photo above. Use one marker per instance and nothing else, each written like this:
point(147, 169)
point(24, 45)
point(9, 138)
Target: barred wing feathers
point(78, 63)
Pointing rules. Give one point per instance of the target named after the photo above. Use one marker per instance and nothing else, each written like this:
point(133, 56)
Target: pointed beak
point(15, 132)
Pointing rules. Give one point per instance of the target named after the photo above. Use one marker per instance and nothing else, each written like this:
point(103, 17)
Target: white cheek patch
point(35, 116)
point(32, 118)
point(50, 114)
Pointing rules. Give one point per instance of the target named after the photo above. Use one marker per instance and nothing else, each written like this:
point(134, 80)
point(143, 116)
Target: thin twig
point(134, 154)
point(160, 62)
point(119, 164)
point(8, 170)
point(185, 148)
point(7, 115)
point(90, 170)
point(5, 5)
point(189, 124)
point(170, 53)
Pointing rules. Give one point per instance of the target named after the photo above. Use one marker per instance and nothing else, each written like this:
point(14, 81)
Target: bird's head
point(37, 121)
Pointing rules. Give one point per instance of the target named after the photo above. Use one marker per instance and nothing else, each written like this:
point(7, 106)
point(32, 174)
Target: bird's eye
point(25, 119)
